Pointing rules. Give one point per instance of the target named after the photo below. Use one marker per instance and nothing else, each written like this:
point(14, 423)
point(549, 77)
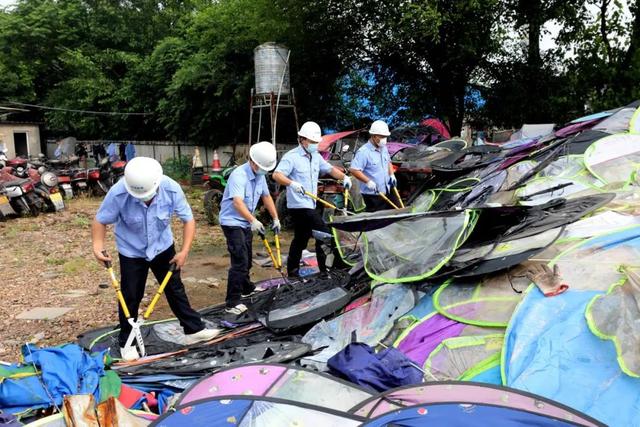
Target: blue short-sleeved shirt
point(242, 182)
point(144, 231)
point(374, 163)
point(298, 166)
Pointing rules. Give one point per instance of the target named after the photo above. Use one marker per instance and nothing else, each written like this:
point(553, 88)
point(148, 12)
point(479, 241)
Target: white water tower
point(272, 91)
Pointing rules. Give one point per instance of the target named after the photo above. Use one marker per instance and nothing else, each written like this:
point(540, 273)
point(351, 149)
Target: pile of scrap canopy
point(505, 293)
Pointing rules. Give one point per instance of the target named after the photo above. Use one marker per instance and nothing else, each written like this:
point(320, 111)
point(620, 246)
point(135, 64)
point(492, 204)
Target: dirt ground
point(48, 262)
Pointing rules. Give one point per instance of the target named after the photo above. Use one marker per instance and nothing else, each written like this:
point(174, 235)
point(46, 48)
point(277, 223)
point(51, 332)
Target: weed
point(54, 261)
point(79, 265)
point(81, 221)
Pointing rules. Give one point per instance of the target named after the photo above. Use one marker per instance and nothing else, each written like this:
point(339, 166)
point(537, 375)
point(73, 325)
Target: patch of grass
point(11, 233)
point(81, 221)
point(78, 265)
point(54, 261)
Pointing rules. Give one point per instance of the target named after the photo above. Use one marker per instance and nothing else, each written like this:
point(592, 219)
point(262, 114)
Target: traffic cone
point(215, 164)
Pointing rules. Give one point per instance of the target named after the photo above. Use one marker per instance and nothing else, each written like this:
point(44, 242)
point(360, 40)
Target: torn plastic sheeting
point(370, 323)
point(615, 316)
point(286, 382)
point(397, 253)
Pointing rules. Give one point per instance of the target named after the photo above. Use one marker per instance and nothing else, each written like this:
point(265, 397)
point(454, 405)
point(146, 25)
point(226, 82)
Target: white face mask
point(149, 197)
point(261, 172)
point(383, 142)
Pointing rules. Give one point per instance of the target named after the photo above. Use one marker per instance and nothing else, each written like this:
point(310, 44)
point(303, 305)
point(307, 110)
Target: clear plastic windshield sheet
point(615, 316)
point(349, 245)
point(488, 301)
point(370, 322)
point(309, 387)
point(614, 158)
point(517, 246)
point(594, 264)
point(517, 171)
point(460, 357)
point(542, 190)
point(414, 248)
point(424, 201)
point(564, 167)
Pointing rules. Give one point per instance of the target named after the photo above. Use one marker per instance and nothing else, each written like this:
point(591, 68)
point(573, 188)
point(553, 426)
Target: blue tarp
point(65, 370)
point(550, 351)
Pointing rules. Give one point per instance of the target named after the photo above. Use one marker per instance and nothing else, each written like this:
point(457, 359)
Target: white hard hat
point(379, 127)
point(263, 154)
point(142, 177)
point(311, 131)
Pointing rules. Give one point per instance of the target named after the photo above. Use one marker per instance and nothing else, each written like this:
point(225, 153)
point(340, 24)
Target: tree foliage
point(188, 64)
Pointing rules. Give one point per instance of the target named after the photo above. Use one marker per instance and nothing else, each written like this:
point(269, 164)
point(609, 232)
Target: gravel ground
point(47, 262)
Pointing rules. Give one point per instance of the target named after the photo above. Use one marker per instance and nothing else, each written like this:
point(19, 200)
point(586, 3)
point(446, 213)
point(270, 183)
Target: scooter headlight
point(49, 179)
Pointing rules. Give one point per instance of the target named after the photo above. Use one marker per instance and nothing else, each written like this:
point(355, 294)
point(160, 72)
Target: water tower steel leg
point(250, 115)
point(259, 123)
point(295, 111)
point(272, 111)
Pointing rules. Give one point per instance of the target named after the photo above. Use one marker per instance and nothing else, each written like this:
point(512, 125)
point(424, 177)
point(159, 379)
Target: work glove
point(276, 226)
point(297, 187)
point(257, 227)
point(393, 182)
point(371, 185)
point(547, 280)
point(346, 182)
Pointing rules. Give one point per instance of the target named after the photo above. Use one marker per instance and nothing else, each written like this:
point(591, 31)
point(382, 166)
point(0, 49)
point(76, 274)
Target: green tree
point(430, 51)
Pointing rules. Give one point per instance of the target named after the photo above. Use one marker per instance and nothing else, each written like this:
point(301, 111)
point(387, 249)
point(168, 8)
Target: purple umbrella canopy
point(279, 381)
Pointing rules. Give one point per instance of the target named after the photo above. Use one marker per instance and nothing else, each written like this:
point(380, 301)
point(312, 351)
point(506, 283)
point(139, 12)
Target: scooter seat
point(14, 182)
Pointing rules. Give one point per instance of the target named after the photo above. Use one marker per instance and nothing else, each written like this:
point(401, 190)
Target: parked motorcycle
point(6, 210)
point(61, 169)
point(21, 194)
point(79, 181)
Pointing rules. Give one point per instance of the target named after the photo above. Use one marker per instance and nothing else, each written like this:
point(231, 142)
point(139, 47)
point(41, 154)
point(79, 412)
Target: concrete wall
point(7, 131)
point(161, 151)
